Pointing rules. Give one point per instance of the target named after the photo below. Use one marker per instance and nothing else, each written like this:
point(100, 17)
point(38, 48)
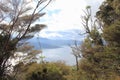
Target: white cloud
point(68, 16)
point(49, 35)
point(63, 15)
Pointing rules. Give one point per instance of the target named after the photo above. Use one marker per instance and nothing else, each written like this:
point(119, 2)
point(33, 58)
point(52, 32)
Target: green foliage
point(100, 60)
point(45, 71)
point(112, 33)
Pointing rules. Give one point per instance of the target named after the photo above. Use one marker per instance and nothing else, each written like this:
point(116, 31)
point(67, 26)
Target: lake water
point(59, 54)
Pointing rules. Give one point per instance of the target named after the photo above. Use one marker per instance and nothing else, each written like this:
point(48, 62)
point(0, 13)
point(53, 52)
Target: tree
point(91, 48)
point(76, 51)
point(109, 14)
point(17, 23)
point(111, 25)
point(100, 49)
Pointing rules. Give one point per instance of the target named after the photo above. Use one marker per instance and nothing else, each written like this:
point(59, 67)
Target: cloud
point(51, 35)
point(72, 34)
point(64, 15)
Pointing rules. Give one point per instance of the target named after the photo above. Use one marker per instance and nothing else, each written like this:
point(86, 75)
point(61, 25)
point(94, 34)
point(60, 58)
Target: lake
point(59, 54)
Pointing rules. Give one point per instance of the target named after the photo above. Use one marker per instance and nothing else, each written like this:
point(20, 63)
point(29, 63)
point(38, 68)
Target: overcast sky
point(65, 15)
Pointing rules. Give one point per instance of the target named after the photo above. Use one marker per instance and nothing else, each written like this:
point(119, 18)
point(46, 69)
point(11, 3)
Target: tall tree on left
point(18, 22)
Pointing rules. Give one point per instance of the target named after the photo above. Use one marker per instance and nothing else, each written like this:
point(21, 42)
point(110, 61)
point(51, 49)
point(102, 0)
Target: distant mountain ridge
point(45, 43)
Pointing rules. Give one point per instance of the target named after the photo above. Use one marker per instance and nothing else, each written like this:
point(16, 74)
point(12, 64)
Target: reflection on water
point(57, 54)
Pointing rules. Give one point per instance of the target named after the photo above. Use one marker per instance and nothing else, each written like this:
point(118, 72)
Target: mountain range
point(45, 43)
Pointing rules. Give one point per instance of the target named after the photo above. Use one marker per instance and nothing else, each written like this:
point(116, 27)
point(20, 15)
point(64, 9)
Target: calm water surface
point(59, 54)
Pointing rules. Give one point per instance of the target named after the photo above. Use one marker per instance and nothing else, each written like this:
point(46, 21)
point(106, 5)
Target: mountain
point(62, 35)
point(46, 43)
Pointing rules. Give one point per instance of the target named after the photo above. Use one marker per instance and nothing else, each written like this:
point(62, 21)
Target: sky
point(65, 16)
